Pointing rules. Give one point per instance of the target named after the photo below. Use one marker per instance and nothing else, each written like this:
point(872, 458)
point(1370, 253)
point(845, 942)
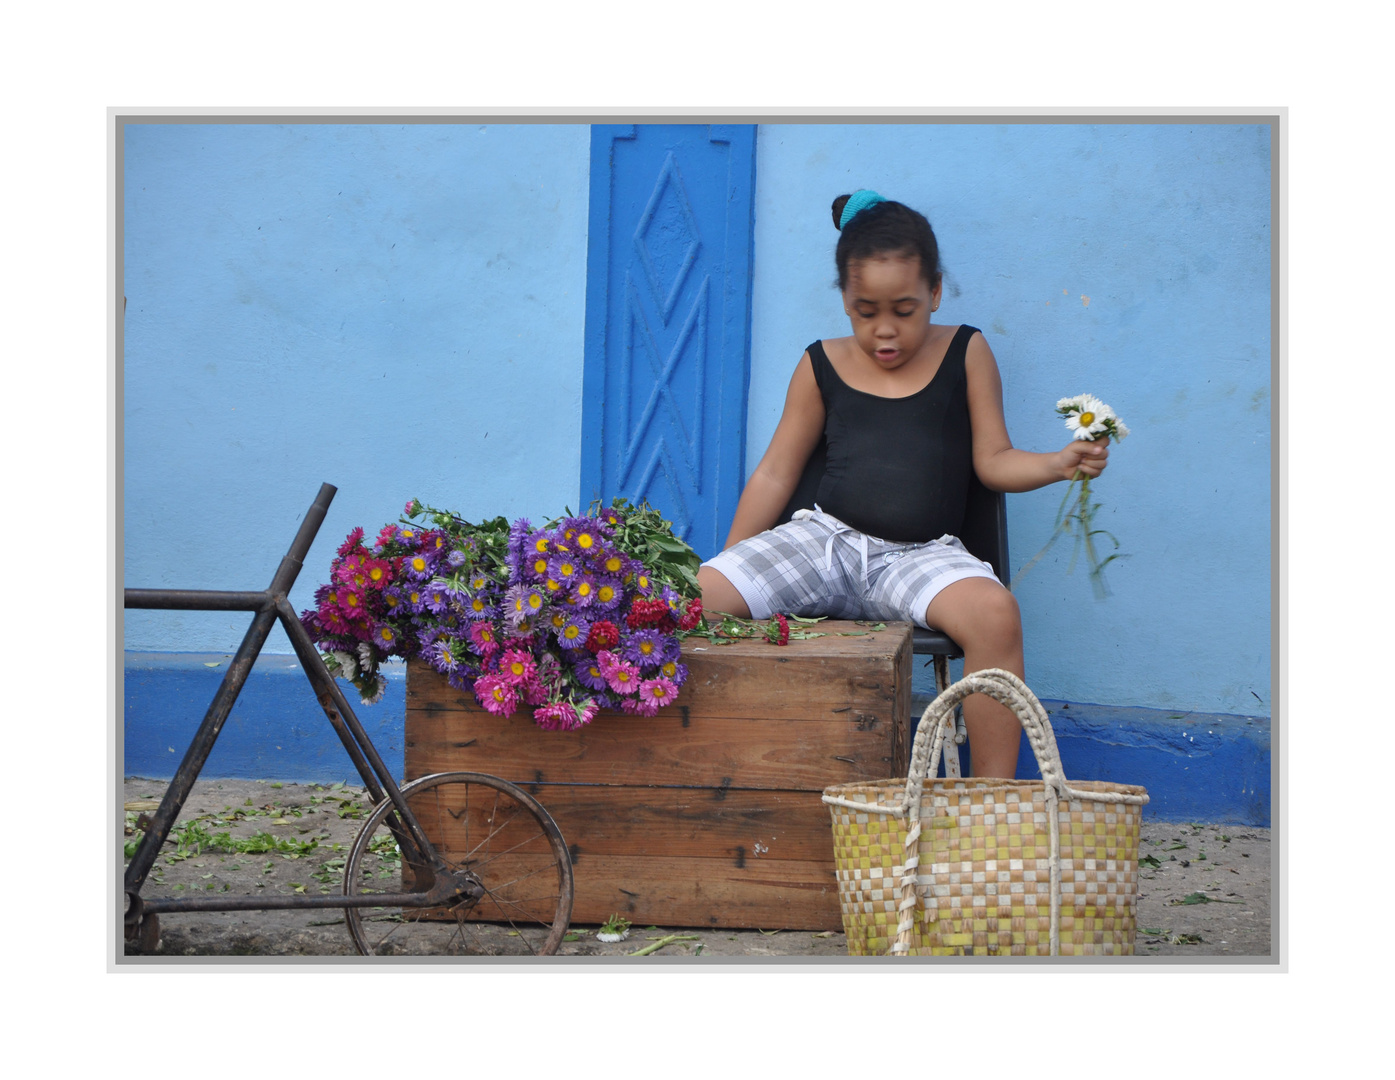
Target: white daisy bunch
point(1087, 418)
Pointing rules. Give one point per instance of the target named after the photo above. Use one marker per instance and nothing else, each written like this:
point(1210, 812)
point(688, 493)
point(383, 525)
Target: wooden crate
point(709, 813)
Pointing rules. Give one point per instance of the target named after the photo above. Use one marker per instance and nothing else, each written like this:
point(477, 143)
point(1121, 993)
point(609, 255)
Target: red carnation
point(645, 612)
point(693, 616)
point(777, 630)
point(604, 635)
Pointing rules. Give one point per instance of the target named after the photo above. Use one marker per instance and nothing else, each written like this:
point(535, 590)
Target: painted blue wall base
point(276, 731)
point(1196, 766)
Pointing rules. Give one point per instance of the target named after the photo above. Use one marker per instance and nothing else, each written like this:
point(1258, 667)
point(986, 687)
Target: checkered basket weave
point(983, 866)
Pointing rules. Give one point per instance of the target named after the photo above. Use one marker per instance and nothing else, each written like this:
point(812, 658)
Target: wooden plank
point(712, 752)
point(736, 825)
point(829, 677)
point(678, 892)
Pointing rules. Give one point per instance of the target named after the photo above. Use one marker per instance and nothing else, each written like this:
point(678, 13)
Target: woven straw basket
point(998, 867)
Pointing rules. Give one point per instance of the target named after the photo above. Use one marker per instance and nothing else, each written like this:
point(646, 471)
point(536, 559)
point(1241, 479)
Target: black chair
point(984, 534)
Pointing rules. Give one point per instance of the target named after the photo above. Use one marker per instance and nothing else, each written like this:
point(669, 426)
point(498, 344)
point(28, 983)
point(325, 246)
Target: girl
point(908, 407)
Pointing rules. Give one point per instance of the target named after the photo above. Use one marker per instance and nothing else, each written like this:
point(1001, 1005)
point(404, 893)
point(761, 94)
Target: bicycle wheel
point(507, 860)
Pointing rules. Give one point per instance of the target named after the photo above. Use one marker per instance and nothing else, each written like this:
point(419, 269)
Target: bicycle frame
point(269, 606)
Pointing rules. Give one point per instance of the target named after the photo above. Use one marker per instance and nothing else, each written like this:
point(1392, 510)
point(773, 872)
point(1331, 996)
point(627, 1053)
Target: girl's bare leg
point(983, 618)
point(719, 596)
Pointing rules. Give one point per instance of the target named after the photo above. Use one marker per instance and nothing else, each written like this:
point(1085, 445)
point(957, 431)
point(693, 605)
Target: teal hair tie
point(857, 202)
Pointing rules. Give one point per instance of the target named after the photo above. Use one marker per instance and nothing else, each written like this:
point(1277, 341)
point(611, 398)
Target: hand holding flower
point(1091, 423)
point(1080, 459)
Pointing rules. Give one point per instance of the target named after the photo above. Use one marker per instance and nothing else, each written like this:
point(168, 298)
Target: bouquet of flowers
point(1087, 418)
point(579, 615)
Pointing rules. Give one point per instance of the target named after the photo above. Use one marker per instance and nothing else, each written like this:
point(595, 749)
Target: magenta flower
point(495, 694)
point(517, 667)
point(620, 676)
point(659, 691)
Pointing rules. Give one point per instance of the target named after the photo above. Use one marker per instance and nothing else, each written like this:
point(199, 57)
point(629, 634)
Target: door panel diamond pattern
point(668, 321)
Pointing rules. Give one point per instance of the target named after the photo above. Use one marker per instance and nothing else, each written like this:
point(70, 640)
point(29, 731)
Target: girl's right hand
point(1084, 457)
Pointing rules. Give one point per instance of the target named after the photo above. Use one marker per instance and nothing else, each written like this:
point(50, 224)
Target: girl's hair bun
point(838, 204)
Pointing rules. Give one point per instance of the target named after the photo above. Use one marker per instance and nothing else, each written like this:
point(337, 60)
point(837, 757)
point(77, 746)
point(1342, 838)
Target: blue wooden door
point(668, 300)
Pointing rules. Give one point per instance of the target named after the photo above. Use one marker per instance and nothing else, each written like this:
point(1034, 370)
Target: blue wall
point(395, 309)
point(399, 310)
point(1127, 261)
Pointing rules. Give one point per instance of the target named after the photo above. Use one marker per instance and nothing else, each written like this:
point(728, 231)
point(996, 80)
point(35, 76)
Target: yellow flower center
point(477, 604)
point(646, 647)
point(539, 566)
point(1086, 419)
point(416, 598)
point(670, 669)
point(643, 582)
point(376, 573)
point(584, 541)
point(613, 564)
point(584, 589)
point(566, 569)
point(418, 564)
point(659, 691)
point(623, 676)
point(540, 544)
point(534, 601)
point(516, 667)
point(607, 594)
point(499, 694)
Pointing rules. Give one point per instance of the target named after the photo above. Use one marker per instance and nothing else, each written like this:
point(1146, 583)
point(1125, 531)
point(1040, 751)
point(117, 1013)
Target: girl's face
point(889, 303)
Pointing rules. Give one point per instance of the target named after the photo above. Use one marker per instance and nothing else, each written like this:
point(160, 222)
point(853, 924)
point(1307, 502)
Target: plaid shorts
point(816, 566)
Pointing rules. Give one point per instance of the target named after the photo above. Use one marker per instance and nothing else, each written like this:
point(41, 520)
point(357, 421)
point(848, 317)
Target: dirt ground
point(1204, 889)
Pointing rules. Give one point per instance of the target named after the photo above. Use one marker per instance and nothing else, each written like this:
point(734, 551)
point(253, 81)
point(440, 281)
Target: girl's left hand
point(1087, 458)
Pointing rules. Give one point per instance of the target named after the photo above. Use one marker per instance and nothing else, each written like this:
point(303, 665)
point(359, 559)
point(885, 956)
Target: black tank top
point(898, 468)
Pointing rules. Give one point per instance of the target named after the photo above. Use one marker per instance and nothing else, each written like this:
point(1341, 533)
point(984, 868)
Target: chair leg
point(951, 750)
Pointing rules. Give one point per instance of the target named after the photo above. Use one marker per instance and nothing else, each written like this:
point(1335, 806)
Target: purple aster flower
point(420, 565)
point(564, 567)
point(455, 558)
point(523, 603)
point(644, 648)
point(584, 590)
point(518, 538)
point(609, 593)
point(572, 634)
point(674, 672)
point(436, 598)
point(588, 673)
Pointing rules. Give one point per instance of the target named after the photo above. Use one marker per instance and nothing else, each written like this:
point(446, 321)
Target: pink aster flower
point(351, 542)
point(620, 676)
point(483, 638)
point(659, 691)
point(517, 667)
point(637, 706)
point(495, 694)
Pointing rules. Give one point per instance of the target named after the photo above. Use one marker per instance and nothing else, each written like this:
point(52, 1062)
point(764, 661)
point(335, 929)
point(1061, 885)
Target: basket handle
point(936, 723)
